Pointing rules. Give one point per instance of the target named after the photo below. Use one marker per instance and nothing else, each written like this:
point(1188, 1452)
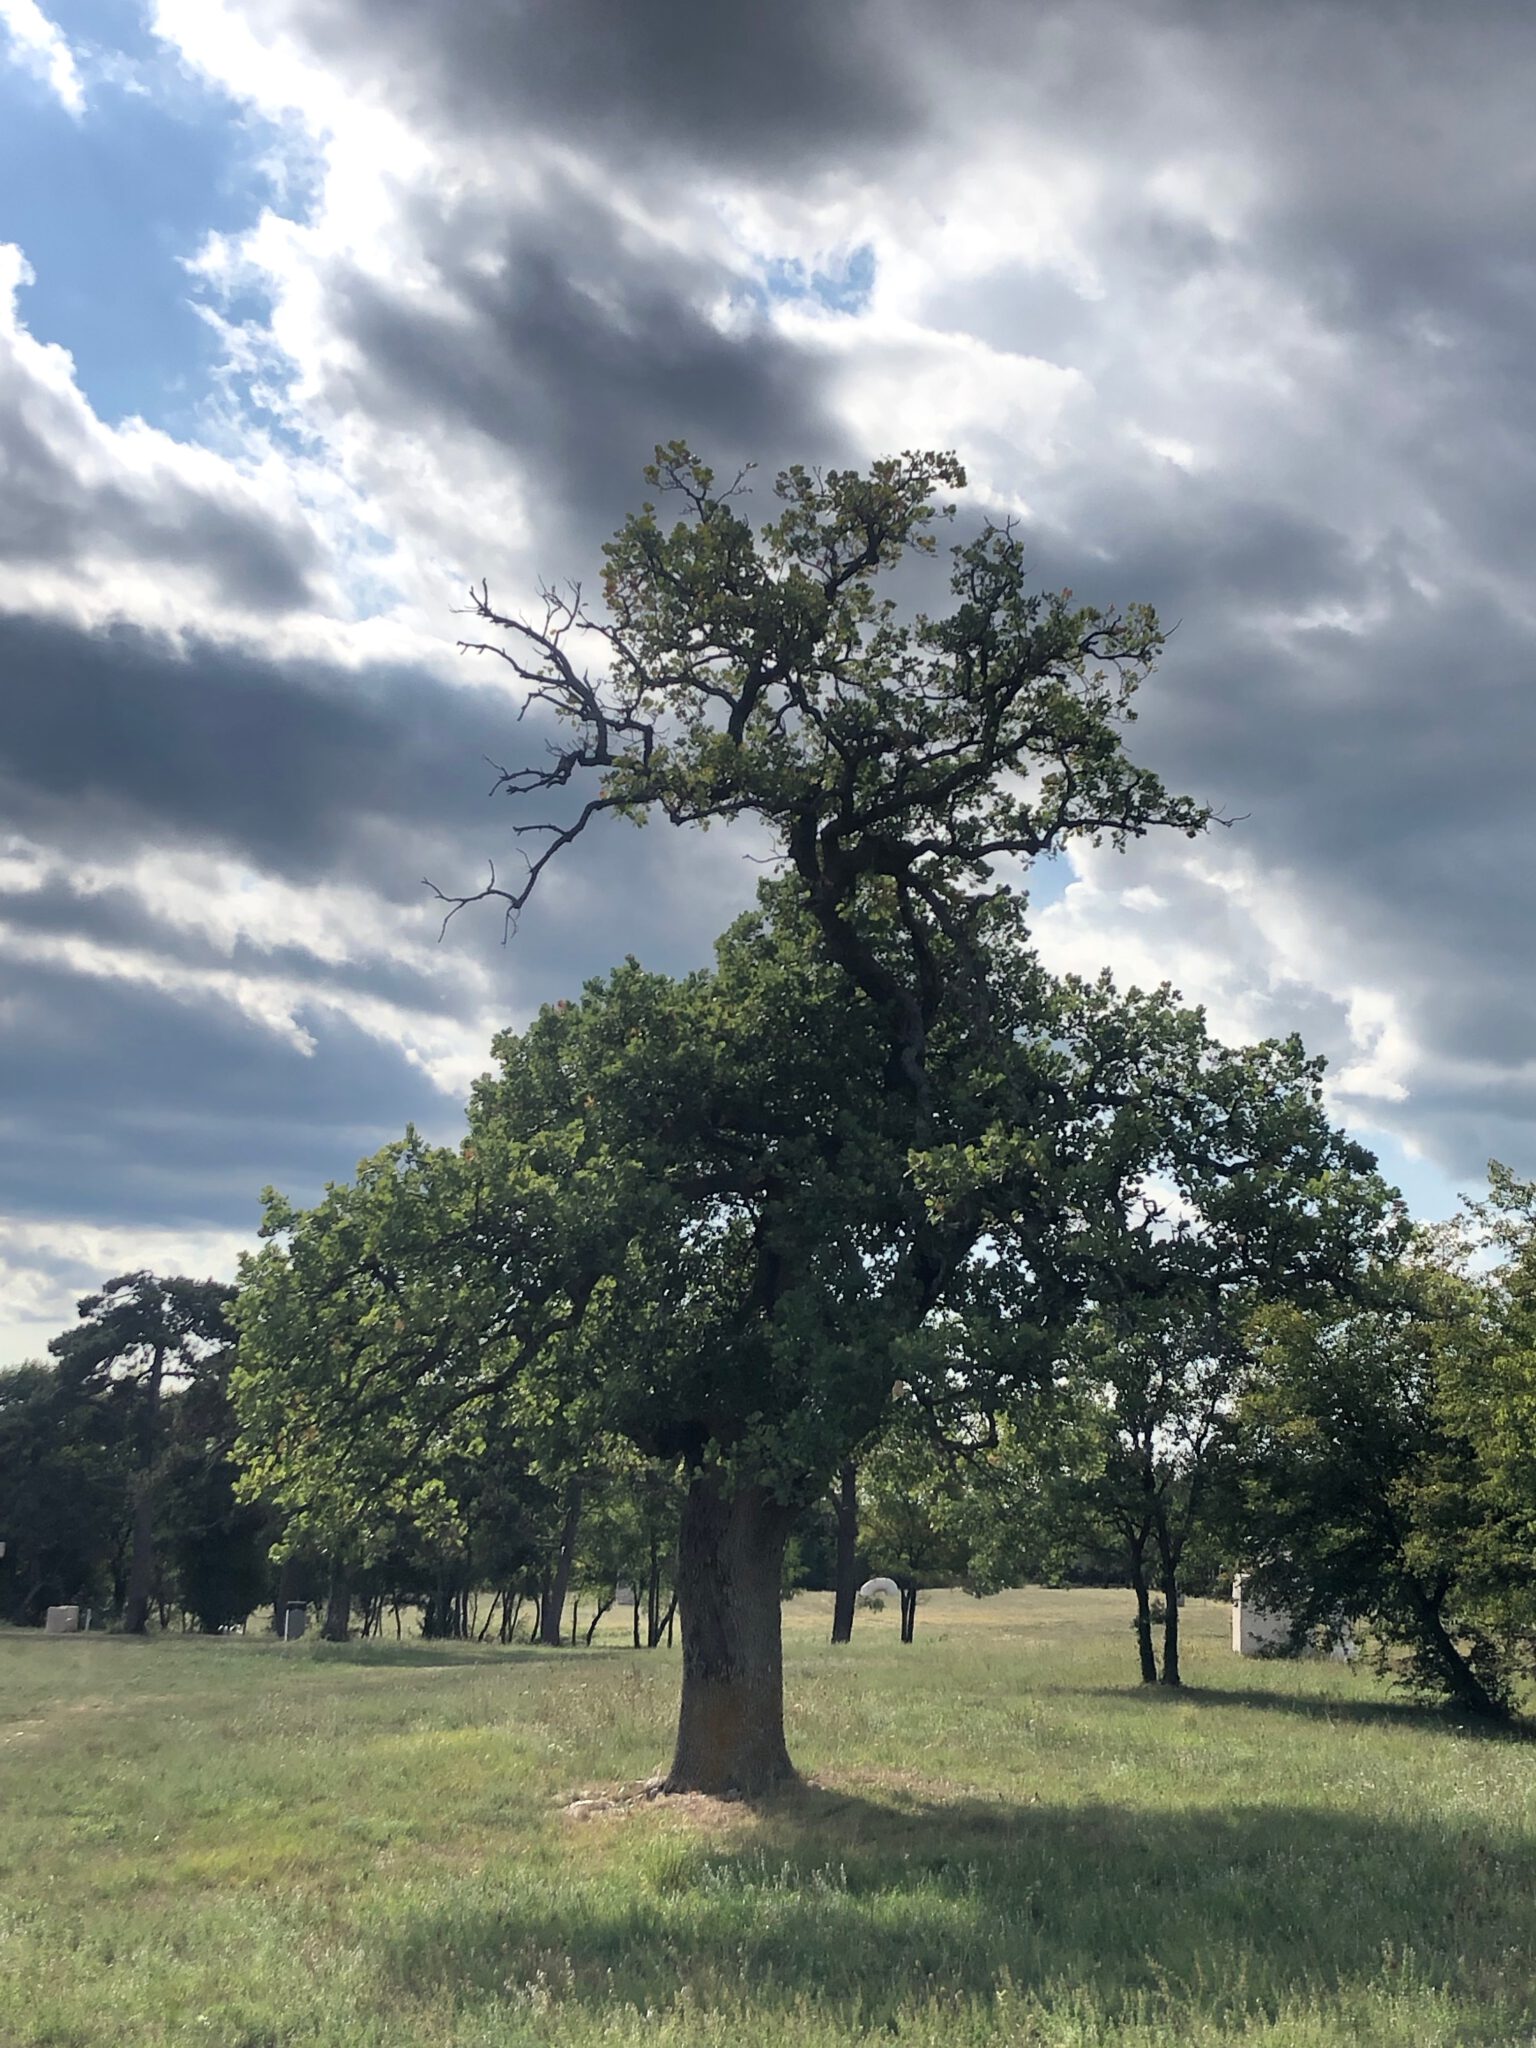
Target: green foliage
point(1363, 1495)
point(139, 1327)
point(65, 1469)
point(213, 1546)
point(754, 672)
point(131, 1417)
point(914, 1506)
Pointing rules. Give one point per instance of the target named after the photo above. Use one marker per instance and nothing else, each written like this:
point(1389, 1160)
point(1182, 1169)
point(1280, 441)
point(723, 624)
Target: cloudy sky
point(313, 310)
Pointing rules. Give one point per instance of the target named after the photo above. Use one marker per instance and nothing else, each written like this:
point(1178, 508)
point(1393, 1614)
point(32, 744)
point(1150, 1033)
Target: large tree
point(724, 1216)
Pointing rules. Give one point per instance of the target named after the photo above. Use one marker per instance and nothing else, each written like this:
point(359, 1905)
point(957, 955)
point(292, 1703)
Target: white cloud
point(46, 1266)
point(38, 46)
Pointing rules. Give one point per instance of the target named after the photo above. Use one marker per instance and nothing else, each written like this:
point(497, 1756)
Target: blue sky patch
point(842, 288)
point(108, 205)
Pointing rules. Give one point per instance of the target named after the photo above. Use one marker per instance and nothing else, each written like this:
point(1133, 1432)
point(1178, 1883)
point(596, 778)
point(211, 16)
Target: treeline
point(1371, 1466)
point(123, 1491)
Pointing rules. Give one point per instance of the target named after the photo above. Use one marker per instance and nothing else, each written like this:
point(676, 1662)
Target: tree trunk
point(1171, 1675)
point(847, 1554)
point(1168, 1553)
point(907, 1589)
point(1144, 1649)
point(601, 1609)
point(552, 1608)
point(1465, 1688)
point(338, 1608)
point(730, 1571)
point(141, 1563)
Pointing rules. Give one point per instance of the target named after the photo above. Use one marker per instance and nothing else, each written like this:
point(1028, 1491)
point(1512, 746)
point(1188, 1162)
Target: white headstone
point(879, 1589)
point(62, 1621)
point(1256, 1629)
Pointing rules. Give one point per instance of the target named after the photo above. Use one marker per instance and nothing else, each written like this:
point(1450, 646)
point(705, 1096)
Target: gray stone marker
point(295, 1621)
point(62, 1621)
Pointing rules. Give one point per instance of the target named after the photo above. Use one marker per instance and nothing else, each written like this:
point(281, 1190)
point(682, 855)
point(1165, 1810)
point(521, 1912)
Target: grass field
point(1005, 1839)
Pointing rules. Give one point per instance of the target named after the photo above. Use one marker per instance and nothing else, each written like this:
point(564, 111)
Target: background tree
point(1364, 1499)
point(134, 1335)
point(213, 1546)
point(847, 1567)
point(1488, 1391)
point(66, 1469)
point(913, 1510)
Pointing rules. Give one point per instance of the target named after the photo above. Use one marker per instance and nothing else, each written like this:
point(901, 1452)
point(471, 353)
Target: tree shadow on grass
point(1319, 1706)
point(865, 1911)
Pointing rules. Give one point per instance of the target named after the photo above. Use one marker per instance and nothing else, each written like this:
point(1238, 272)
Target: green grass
point(1005, 1839)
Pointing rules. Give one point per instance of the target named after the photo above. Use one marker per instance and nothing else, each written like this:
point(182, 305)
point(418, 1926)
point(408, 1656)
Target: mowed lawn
point(1004, 1839)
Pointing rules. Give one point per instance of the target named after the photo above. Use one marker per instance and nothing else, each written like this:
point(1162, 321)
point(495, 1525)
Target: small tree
point(845, 1509)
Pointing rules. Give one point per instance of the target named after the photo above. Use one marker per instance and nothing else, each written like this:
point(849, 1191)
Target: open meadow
point(1004, 1839)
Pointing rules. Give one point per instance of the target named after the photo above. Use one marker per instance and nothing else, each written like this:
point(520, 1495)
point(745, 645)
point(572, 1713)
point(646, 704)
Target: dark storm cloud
point(1386, 773)
point(119, 737)
point(578, 355)
point(113, 742)
point(795, 88)
point(138, 1110)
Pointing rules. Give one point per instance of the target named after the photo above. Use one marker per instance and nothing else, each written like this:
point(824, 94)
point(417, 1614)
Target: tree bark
point(1169, 1547)
point(730, 1570)
point(141, 1563)
point(552, 1609)
point(847, 1554)
point(598, 1613)
point(338, 1607)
